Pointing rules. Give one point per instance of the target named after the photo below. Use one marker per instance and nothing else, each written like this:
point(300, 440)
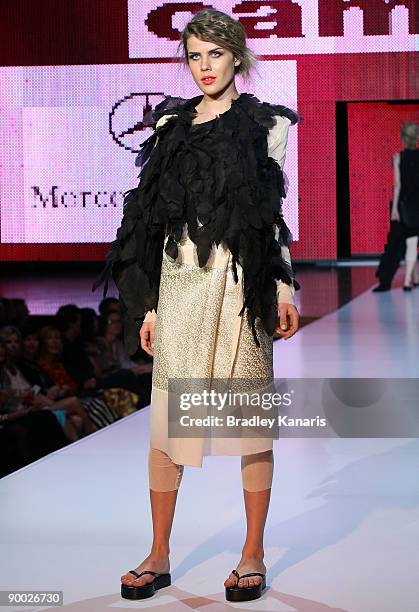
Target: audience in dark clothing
point(108, 305)
point(50, 351)
point(112, 364)
point(70, 378)
point(27, 432)
point(74, 357)
point(28, 380)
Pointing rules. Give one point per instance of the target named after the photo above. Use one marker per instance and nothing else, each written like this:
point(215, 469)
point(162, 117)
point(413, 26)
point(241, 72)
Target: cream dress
point(199, 334)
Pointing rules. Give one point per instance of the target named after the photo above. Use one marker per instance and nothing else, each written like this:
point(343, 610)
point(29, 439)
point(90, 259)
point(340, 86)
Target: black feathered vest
point(219, 173)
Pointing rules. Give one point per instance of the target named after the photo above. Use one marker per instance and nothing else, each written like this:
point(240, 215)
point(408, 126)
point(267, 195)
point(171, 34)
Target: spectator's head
point(110, 326)
point(20, 312)
point(410, 134)
point(30, 341)
point(5, 312)
point(68, 321)
point(107, 305)
point(50, 343)
point(13, 339)
point(89, 324)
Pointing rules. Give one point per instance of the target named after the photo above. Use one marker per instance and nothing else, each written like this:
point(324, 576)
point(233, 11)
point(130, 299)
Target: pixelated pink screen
point(73, 88)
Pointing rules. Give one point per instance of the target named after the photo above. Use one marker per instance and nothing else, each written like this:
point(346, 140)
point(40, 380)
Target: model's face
point(207, 59)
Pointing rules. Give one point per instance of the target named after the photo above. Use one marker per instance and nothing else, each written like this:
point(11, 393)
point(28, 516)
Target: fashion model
point(202, 257)
point(406, 199)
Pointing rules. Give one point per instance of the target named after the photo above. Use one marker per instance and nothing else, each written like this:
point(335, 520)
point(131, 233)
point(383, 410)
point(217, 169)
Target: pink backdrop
point(66, 65)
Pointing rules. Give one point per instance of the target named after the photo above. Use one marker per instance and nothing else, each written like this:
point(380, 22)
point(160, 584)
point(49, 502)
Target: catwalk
point(342, 527)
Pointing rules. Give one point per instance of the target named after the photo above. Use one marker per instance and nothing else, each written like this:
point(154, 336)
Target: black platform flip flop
point(237, 593)
point(146, 590)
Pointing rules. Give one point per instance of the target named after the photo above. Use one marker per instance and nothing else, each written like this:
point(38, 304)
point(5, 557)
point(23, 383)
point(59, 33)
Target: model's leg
point(392, 256)
point(257, 473)
point(165, 478)
point(410, 259)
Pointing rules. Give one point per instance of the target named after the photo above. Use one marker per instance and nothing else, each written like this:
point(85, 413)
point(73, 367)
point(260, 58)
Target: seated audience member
point(108, 305)
point(5, 311)
point(74, 357)
point(121, 387)
point(29, 380)
point(89, 326)
point(117, 393)
point(113, 353)
point(114, 366)
point(37, 376)
point(28, 357)
point(20, 312)
point(27, 432)
point(50, 351)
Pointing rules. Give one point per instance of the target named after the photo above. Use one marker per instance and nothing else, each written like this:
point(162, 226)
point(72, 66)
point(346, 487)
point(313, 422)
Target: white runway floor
point(343, 526)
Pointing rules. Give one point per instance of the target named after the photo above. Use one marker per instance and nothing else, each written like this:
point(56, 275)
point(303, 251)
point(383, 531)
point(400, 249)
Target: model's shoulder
point(281, 122)
point(279, 131)
point(266, 113)
point(170, 105)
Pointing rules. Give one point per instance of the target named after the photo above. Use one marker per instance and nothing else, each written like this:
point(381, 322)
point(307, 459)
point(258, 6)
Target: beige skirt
point(200, 335)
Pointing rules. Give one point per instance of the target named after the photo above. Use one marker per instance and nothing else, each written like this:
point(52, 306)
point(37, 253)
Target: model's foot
point(380, 288)
point(152, 563)
point(247, 565)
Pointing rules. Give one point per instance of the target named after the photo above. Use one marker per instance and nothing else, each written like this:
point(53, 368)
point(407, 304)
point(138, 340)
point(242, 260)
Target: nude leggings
point(164, 475)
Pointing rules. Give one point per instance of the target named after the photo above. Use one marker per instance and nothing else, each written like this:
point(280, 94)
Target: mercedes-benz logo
point(126, 130)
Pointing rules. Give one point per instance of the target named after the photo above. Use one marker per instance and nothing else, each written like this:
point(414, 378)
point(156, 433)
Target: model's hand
point(395, 216)
point(288, 320)
point(147, 336)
